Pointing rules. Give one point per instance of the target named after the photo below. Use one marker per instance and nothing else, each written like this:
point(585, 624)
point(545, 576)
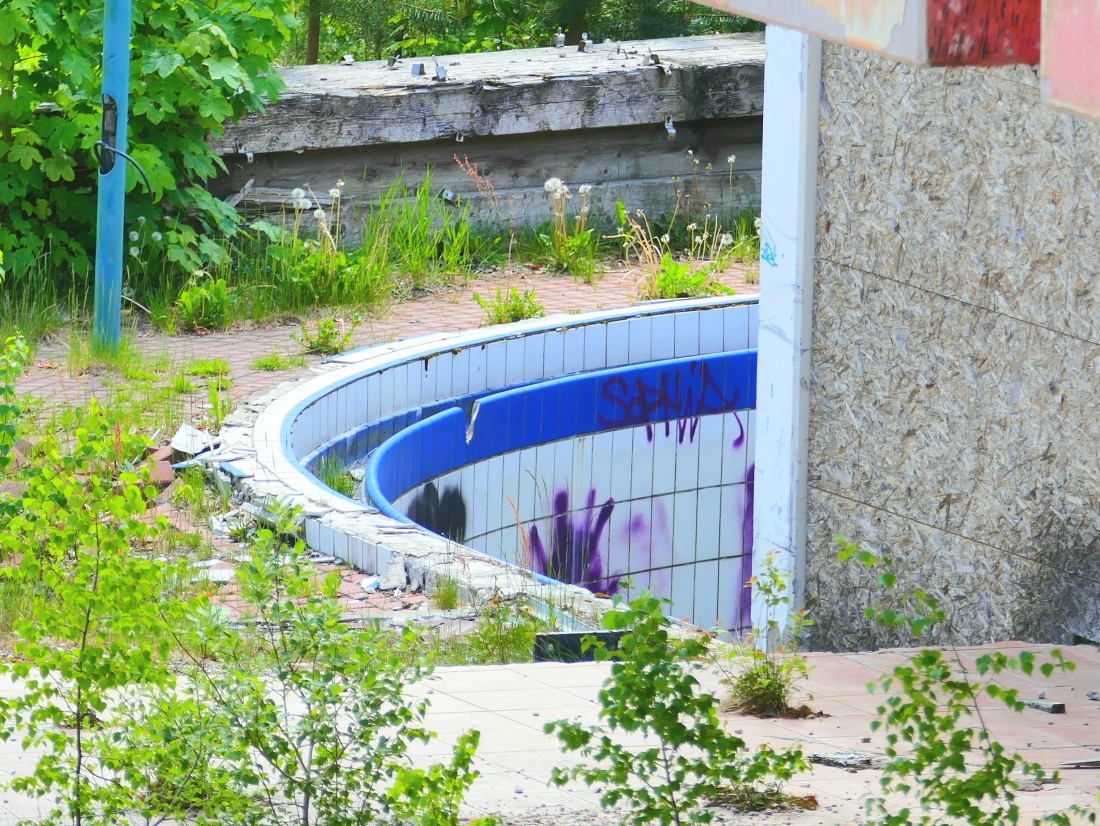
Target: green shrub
point(332, 336)
point(197, 66)
point(689, 757)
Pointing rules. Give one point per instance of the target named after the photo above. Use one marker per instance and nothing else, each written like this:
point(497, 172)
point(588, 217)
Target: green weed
point(511, 306)
point(205, 368)
point(205, 303)
point(334, 474)
point(332, 336)
point(446, 593)
point(278, 361)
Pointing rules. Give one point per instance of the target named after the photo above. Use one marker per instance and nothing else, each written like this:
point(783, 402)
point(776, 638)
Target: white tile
point(595, 347)
point(617, 561)
point(573, 350)
point(662, 337)
point(386, 392)
point(545, 456)
point(373, 396)
point(442, 372)
point(735, 321)
point(313, 534)
point(340, 545)
point(709, 438)
point(683, 592)
point(511, 481)
point(533, 358)
point(400, 388)
point(478, 356)
point(660, 531)
point(514, 361)
point(660, 583)
point(711, 332)
point(494, 493)
point(754, 323)
point(665, 450)
point(564, 474)
point(687, 457)
point(326, 539)
point(684, 525)
point(730, 591)
point(708, 518)
point(640, 347)
point(481, 497)
point(527, 485)
point(496, 364)
point(621, 461)
point(601, 445)
point(735, 447)
point(436, 375)
point(641, 539)
point(732, 525)
point(553, 344)
point(466, 480)
point(687, 334)
point(414, 380)
point(642, 464)
point(618, 343)
point(342, 423)
point(706, 595)
point(460, 373)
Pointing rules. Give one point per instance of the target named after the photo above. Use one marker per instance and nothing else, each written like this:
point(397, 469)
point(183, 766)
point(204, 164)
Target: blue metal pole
point(112, 178)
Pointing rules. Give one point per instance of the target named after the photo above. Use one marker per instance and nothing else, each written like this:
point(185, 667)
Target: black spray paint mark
point(444, 515)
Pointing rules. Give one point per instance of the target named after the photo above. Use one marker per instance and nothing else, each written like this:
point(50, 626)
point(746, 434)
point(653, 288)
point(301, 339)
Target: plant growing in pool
point(574, 556)
point(688, 756)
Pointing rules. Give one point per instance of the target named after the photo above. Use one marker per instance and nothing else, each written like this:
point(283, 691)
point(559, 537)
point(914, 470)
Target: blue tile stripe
point(561, 408)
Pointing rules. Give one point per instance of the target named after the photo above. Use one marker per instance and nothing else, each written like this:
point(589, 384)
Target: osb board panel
point(956, 358)
point(508, 93)
point(962, 181)
point(636, 164)
point(948, 417)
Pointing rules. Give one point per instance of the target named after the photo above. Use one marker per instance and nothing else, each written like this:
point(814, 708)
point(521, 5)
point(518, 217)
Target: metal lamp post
point(112, 176)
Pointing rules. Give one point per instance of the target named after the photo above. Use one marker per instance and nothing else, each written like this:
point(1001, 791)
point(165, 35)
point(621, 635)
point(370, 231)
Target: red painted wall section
point(1071, 56)
point(984, 32)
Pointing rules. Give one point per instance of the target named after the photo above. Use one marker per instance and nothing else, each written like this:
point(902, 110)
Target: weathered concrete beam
point(508, 93)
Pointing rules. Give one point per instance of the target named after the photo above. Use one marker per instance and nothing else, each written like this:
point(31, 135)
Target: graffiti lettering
point(677, 394)
point(442, 514)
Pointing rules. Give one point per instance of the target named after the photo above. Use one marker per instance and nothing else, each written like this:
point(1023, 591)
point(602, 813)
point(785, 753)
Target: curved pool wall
point(604, 447)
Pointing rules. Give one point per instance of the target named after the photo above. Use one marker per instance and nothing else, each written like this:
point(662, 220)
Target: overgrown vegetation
point(689, 758)
point(372, 29)
point(334, 474)
point(762, 671)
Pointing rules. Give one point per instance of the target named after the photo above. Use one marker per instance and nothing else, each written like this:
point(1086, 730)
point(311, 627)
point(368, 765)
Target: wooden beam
point(924, 32)
point(507, 93)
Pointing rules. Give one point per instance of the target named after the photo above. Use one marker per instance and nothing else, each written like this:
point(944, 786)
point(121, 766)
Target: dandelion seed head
point(665, 238)
point(584, 189)
point(302, 203)
point(334, 194)
point(156, 236)
point(691, 154)
point(141, 219)
point(692, 226)
point(297, 193)
point(134, 251)
point(133, 236)
point(553, 185)
point(731, 159)
point(319, 215)
point(725, 240)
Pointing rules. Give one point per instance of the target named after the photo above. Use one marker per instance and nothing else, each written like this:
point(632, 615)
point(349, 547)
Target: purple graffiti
point(677, 394)
point(574, 555)
point(746, 548)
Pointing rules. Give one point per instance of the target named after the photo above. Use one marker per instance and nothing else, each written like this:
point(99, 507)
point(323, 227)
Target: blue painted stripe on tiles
point(531, 415)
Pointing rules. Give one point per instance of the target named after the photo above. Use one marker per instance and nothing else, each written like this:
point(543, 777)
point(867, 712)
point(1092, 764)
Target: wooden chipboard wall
point(956, 352)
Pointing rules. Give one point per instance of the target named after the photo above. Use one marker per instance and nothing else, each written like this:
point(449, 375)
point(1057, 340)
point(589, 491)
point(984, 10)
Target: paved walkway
point(510, 704)
point(452, 309)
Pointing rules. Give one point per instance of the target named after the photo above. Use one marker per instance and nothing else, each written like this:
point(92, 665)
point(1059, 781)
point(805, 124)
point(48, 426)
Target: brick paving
point(451, 309)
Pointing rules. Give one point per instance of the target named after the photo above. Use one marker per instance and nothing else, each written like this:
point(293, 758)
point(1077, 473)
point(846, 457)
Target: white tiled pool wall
point(678, 498)
point(672, 516)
